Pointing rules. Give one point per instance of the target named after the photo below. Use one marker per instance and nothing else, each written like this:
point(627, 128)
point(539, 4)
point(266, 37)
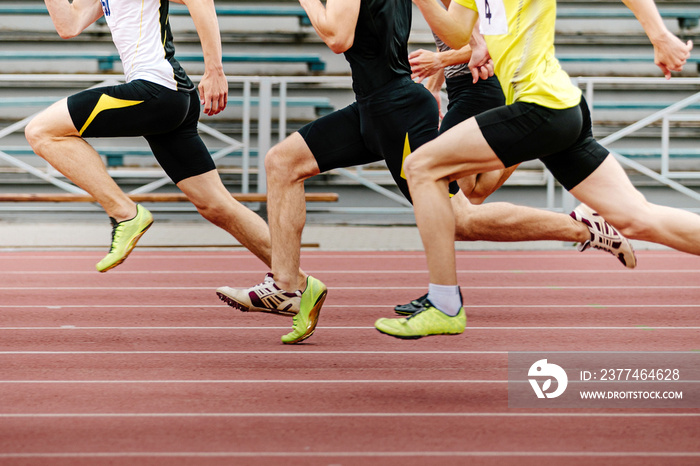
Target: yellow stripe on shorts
point(107, 102)
point(406, 151)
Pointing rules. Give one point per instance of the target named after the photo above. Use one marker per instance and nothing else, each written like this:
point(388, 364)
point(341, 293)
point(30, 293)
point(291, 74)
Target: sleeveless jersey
point(520, 38)
point(379, 52)
point(141, 32)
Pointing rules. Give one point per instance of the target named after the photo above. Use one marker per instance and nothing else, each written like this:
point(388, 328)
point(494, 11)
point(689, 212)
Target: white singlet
point(141, 32)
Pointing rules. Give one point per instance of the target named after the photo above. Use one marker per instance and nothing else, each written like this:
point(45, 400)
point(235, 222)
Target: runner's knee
point(636, 222)
point(215, 210)
point(482, 189)
point(277, 166)
point(636, 228)
point(288, 162)
point(418, 169)
point(34, 134)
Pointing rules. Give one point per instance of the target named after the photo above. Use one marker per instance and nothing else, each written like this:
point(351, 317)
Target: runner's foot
point(125, 235)
point(604, 236)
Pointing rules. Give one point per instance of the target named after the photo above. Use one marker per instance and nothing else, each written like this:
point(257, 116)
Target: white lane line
point(589, 307)
point(361, 288)
point(290, 351)
point(353, 271)
point(73, 327)
point(358, 454)
point(320, 352)
point(228, 255)
point(255, 381)
point(331, 415)
point(351, 454)
point(286, 381)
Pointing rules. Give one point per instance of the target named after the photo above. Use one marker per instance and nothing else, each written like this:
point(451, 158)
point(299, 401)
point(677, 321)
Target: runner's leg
point(429, 170)
point(214, 202)
point(287, 165)
point(609, 191)
point(52, 136)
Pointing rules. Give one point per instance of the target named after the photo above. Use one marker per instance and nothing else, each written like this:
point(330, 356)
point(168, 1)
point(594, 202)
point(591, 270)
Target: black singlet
point(379, 52)
point(392, 115)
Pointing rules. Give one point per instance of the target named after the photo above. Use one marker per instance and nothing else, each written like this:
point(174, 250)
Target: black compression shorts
point(388, 124)
point(561, 139)
point(167, 119)
point(467, 98)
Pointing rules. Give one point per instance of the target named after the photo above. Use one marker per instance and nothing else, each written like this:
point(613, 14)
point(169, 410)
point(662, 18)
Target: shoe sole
point(129, 248)
point(243, 308)
point(313, 319)
point(416, 337)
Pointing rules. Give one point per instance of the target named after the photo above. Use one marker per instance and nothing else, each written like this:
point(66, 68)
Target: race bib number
point(492, 17)
point(105, 7)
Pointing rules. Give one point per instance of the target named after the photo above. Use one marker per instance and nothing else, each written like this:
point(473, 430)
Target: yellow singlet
point(520, 38)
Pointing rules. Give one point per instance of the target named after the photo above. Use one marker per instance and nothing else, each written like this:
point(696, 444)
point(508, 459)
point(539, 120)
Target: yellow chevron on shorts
point(107, 102)
point(406, 151)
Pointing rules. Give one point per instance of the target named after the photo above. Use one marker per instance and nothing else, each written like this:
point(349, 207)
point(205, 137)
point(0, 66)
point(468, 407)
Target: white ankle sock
point(446, 298)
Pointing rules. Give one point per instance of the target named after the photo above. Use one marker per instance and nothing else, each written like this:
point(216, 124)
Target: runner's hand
point(423, 64)
point(671, 54)
point(213, 92)
point(480, 64)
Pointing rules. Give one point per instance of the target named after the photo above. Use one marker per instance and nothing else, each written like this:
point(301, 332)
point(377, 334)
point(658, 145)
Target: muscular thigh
point(609, 192)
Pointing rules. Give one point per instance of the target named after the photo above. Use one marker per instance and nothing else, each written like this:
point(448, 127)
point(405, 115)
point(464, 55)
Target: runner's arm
point(434, 85)
point(425, 63)
point(335, 22)
point(70, 19)
point(670, 53)
point(480, 62)
point(453, 26)
point(213, 88)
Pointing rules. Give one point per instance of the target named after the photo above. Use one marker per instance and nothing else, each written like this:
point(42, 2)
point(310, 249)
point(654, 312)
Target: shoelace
point(426, 304)
point(266, 281)
point(421, 300)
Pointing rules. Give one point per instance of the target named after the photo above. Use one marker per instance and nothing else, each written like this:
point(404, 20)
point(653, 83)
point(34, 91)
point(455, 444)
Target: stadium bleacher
point(598, 38)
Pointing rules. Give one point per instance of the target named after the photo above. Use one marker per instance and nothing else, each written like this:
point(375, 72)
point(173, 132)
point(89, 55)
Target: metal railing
point(267, 89)
point(264, 100)
point(665, 115)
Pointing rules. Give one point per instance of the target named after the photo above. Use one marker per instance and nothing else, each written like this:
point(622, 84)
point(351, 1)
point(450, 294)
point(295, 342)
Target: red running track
point(145, 365)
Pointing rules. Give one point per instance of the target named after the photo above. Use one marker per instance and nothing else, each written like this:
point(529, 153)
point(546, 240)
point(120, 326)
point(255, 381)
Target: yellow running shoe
point(125, 235)
point(412, 307)
point(305, 321)
point(428, 321)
